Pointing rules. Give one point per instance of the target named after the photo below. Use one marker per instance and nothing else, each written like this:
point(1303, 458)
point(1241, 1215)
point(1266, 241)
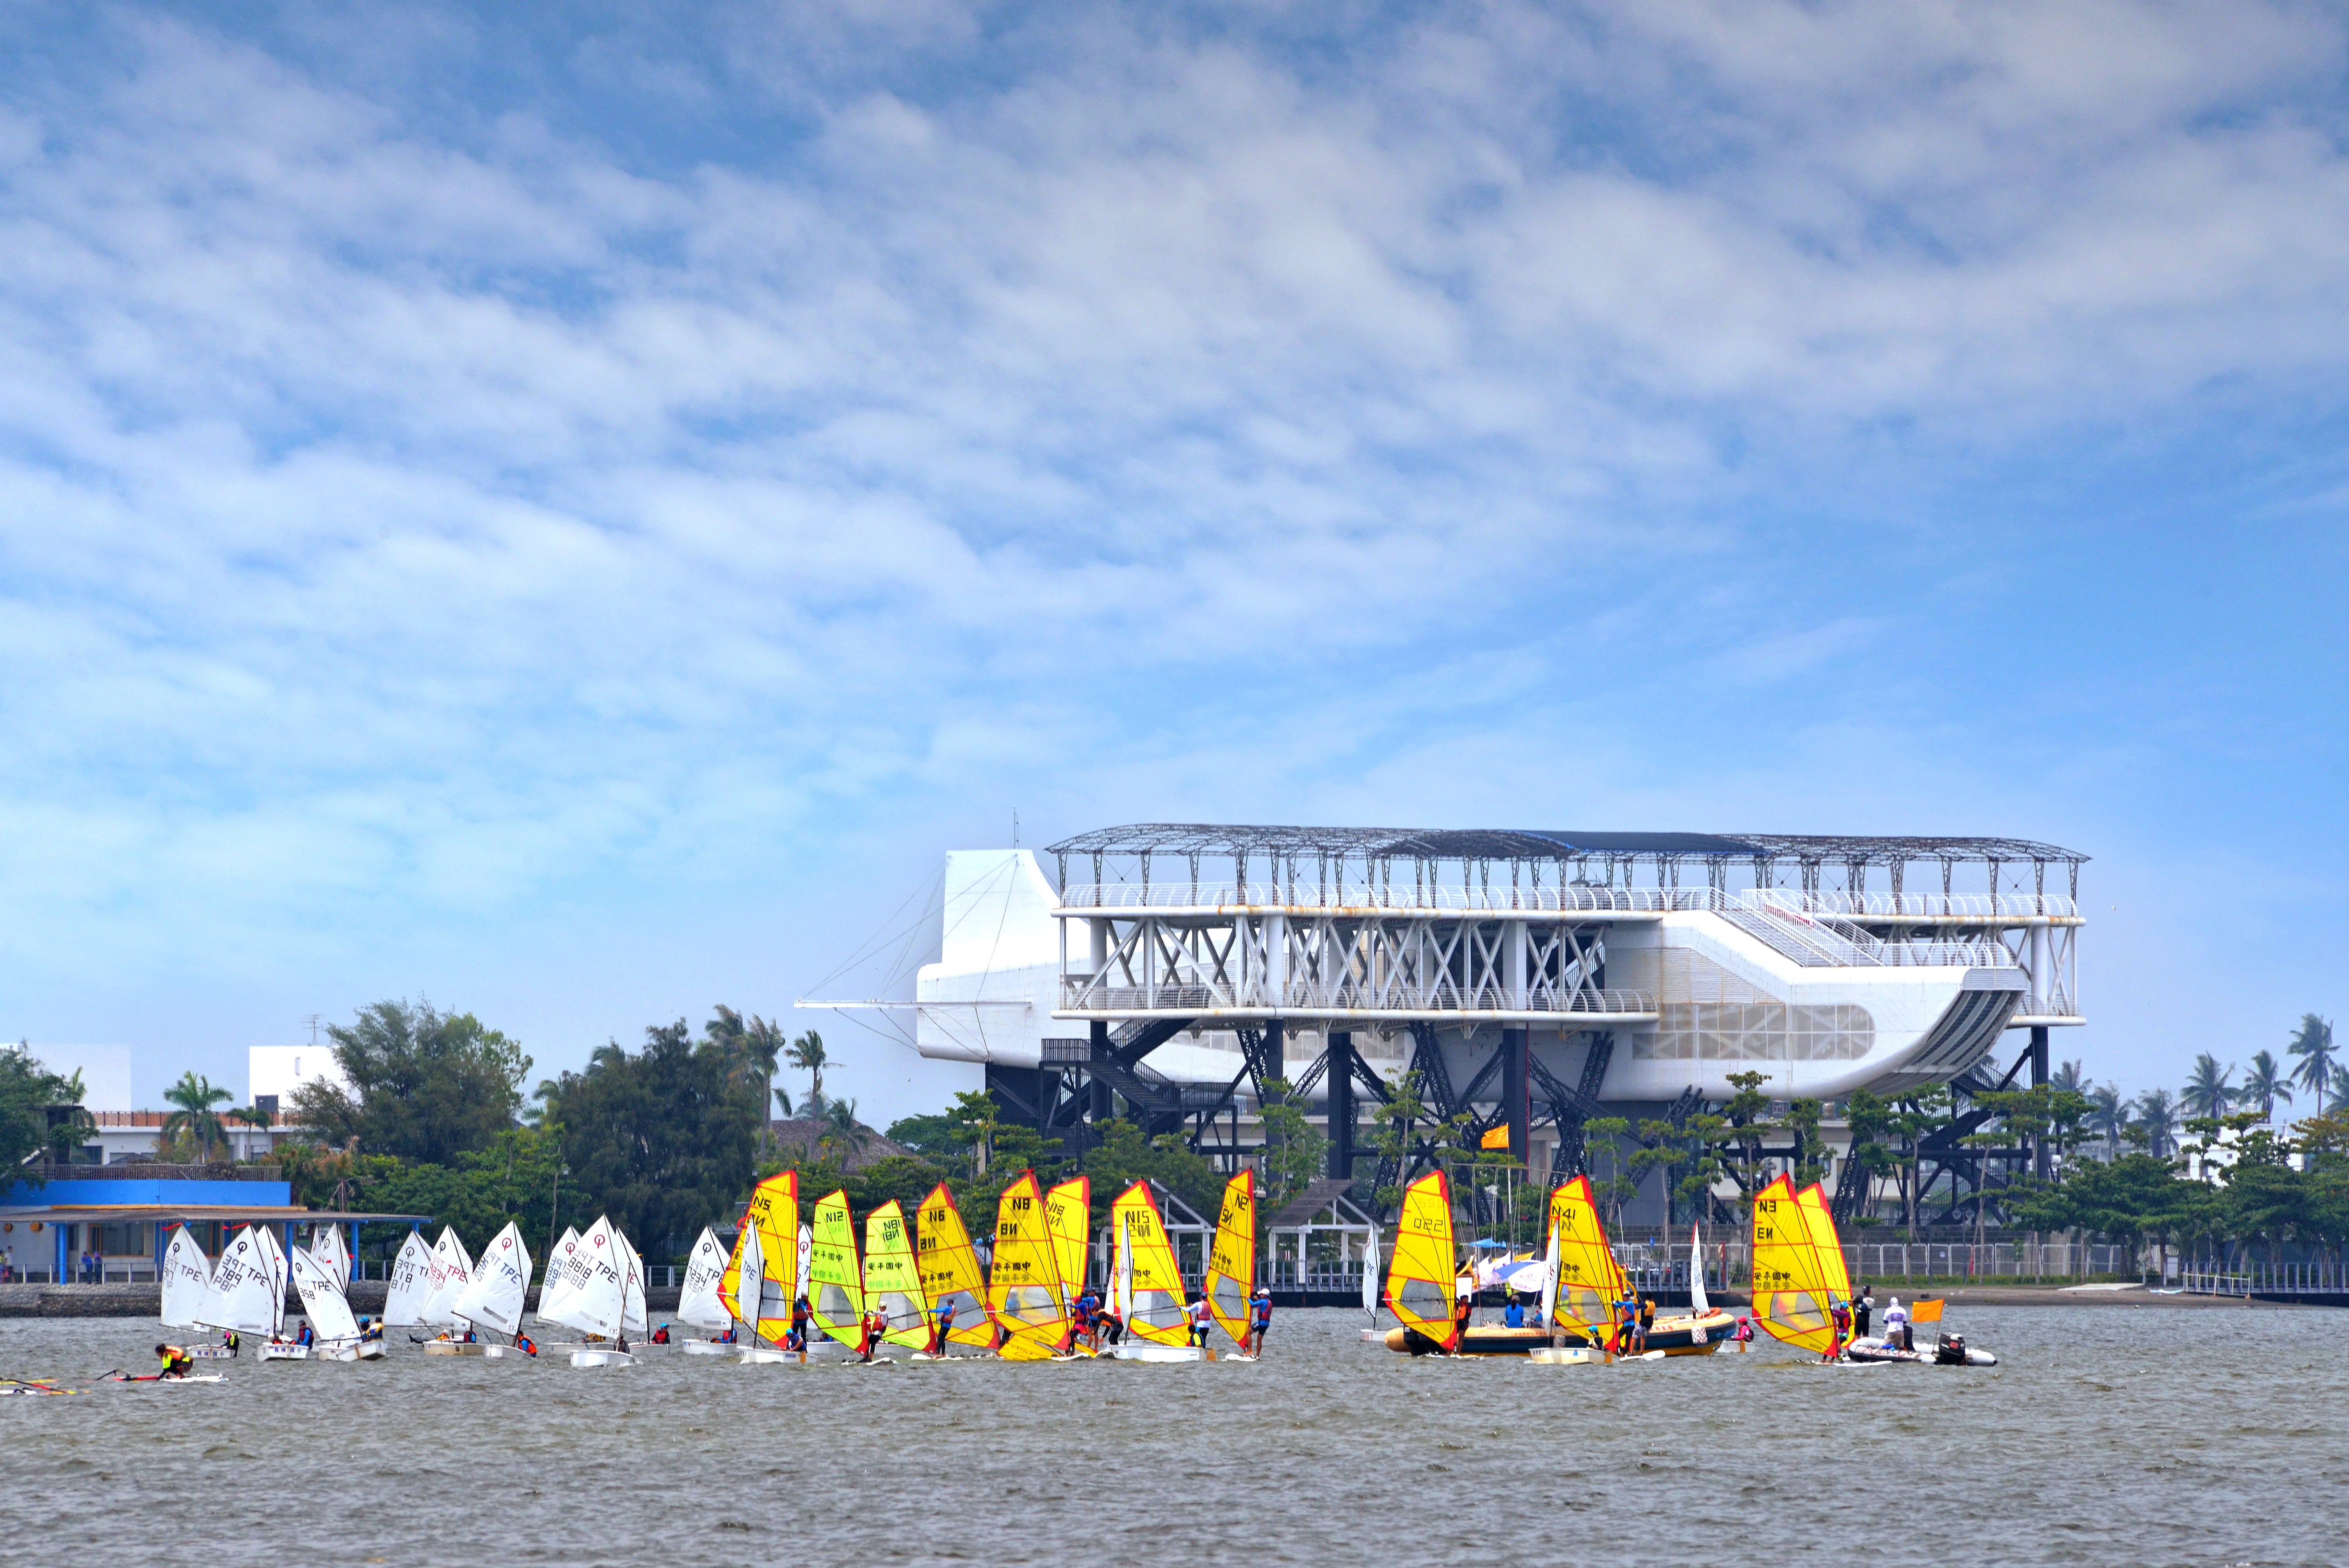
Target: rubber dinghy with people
point(1898, 1344)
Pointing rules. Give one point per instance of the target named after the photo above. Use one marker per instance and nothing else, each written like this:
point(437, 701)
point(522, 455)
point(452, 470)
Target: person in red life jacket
point(660, 1335)
point(1259, 1318)
point(1841, 1313)
point(524, 1343)
point(175, 1360)
point(1081, 1322)
point(1202, 1318)
point(872, 1325)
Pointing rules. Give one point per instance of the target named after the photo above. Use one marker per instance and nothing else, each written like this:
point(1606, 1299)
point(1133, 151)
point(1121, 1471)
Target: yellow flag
point(1498, 1138)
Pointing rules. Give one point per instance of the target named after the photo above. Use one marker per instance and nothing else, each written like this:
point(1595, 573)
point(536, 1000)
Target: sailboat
point(410, 1285)
point(835, 1278)
point(893, 1280)
point(1024, 1294)
point(698, 1305)
point(1231, 1258)
point(591, 1296)
point(326, 1247)
point(1790, 1291)
point(449, 1270)
point(1147, 1284)
point(1371, 1285)
point(323, 1301)
point(950, 1272)
point(248, 1290)
point(1421, 1275)
point(782, 1244)
point(1069, 1221)
point(493, 1297)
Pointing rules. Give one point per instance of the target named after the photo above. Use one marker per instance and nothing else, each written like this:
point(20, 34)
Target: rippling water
point(2108, 1435)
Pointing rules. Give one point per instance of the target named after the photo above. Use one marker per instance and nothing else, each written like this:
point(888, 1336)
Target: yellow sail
point(1420, 1275)
point(1826, 1246)
point(1069, 1219)
point(950, 1268)
point(1231, 1261)
point(730, 1281)
point(837, 1298)
point(775, 1210)
point(893, 1281)
point(1023, 1286)
point(1156, 1311)
point(1590, 1280)
point(1789, 1299)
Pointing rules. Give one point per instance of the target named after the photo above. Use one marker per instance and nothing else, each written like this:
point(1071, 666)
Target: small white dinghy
point(1131, 1352)
point(319, 1283)
point(594, 1294)
point(492, 1297)
point(277, 1350)
point(591, 1356)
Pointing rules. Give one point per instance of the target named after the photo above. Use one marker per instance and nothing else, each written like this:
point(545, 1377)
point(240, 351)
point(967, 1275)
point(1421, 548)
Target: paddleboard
point(158, 1378)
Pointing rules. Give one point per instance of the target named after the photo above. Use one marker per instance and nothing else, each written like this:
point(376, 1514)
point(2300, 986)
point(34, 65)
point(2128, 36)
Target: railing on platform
point(1080, 993)
point(2323, 1278)
point(1380, 896)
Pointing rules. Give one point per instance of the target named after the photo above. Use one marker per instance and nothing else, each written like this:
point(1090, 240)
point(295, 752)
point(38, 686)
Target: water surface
point(2110, 1435)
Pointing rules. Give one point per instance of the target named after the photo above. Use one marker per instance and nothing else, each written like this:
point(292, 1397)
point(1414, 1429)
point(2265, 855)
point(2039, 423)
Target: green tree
point(1294, 1150)
point(2312, 1043)
point(1604, 1136)
point(2208, 1092)
point(2108, 1113)
point(1870, 1118)
point(1394, 1127)
point(34, 1119)
point(425, 1086)
point(842, 1130)
point(807, 1054)
point(665, 1139)
point(195, 1121)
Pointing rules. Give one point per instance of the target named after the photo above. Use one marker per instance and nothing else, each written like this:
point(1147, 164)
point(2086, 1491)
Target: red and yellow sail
point(1156, 1312)
point(775, 1211)
point(1826, 1246)
point(893, 1280)
point(835, 1279)
point(1069, 1218)
point(1023, 1285)
point(1790, 1299)
point(949, 1267)
point(1231, 1260)
point(1589, 1280)
point(1421, 1274)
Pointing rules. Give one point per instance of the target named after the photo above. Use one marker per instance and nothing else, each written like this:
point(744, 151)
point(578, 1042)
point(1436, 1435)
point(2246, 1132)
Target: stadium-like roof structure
point(1540, 844)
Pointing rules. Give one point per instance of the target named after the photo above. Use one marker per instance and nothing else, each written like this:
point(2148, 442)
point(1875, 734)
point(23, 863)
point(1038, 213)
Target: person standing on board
point(1860, 1312)
point(1647, 1321)
point(1896, 1325)
point(1202, 1318)
point(1259, 1316)
point(941, 1324)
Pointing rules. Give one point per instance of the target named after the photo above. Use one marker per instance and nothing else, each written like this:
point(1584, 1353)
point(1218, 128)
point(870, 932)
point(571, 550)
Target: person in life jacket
point(797, 1340)
point(1742, 1335)
point(1081, 1322)
point(1202, 1317)
point(229, 1338)
point(304, 1335)
point(525, 1343)
point(370, 1329)
point(1839, 1315)
point(941, 1324)
point(871, 1327)
point(175, 1360)
point(1259, 1317)
point(1109, 1326)
point(660, 1335)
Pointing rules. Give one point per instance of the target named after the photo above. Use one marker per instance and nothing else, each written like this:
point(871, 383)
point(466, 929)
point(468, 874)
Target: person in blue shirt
point(304, 1335)
point(1514, 1315)
point(1259, 1316)
point(942, 1327)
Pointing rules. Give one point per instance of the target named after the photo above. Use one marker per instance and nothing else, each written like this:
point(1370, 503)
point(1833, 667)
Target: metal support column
point(1517, 1091)
point(1342, 1105)
point(2042, 1164)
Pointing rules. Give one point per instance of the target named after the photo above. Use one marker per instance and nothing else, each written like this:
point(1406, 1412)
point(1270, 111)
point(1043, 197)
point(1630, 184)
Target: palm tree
point(2340, 1088)
point(195, 1095)
point(252, 1116)
point(2314, 1045)
point(842, 1130)
point(2208, 1092)
point(806, 1053)
point(2158, 1114)
point(2108, 1114)
point(2263, 1085)
point(783, 1102)
point(763, 1047)
point(2066, 1078)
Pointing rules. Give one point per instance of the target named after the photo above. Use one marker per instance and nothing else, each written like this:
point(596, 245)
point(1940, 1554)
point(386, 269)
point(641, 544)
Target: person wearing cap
point(1259, 1316)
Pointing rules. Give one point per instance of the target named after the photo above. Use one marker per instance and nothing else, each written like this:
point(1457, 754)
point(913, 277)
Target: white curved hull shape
point(286, 1352)
point(602, 1359)
point(1158, 1353)
point(452, 1347)
point(708, 1348)
point(367, 1350)
point(760, 1357)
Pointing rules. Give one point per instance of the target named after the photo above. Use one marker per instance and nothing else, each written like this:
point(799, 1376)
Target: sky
point(568, 512)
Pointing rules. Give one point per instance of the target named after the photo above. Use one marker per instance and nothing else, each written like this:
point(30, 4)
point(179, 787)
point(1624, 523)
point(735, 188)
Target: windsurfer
point(229, 1338)
point(872, 1326)
point(1742, 1335)
point(941, 1324)
point(175, 1360)
point(797, 1340)
point(1081, 1322)
point(1839, 1315)
point(1647, 1322)
point(1259, 1316)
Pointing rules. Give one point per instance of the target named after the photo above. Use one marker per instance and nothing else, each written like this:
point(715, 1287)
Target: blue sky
point(571, 515)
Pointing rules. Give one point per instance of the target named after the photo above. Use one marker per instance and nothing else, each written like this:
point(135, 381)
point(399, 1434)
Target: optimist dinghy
point(594, 1296)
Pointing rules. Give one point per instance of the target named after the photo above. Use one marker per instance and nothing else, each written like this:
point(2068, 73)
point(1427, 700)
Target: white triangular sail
point(1370, 1276)
point(1122, 1276)
point(451, 1270)
point(632, 1295)
point(322, 1296)
point(807, 1245)
point(1697, 1303)
point(492, 1298)
point(594, 1284)
point(697, 1304)
point(411, 1285)
point(753, 1267)
point(274, 1257)
point(240, 1298)
point(187, 1280)
point(1549, 1283)
point(557, 1278)
point(328, 1248)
